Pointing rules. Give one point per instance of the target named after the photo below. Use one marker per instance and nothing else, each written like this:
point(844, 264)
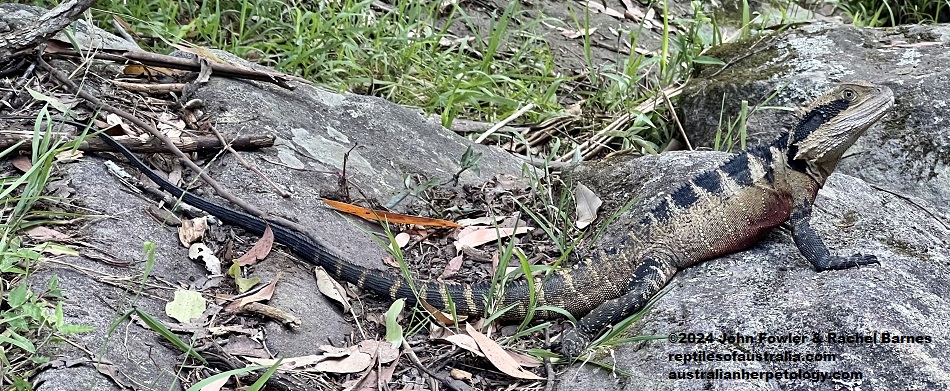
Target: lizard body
point(715, 212)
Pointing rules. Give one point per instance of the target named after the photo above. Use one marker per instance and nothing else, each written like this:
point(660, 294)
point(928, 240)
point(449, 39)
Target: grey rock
point(315, 129)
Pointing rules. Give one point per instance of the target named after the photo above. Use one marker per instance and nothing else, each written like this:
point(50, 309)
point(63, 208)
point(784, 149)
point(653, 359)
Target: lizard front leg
point(813, 248)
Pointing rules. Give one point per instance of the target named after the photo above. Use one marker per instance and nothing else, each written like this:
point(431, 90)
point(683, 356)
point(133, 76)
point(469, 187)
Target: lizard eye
point(849, 95)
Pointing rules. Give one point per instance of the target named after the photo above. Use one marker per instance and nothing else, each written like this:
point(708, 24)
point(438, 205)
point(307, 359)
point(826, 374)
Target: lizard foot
point(839, 263)
point(573, 343)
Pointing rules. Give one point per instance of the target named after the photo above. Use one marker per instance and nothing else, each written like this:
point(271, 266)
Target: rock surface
point(768, 289)
point(910, 154)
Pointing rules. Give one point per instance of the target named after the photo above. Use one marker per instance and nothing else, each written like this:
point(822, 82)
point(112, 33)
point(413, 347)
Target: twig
point(8, 138)
point(548, 368)
point(603, 137)
point(677, 120)
point(19, 84)
point(415, 361)
point(187, 64)
point(912, 202)
point(150, 88)
point(120, 29)
point(30, 36)
point(98, 104)
point(503, 122)
point(240, 159)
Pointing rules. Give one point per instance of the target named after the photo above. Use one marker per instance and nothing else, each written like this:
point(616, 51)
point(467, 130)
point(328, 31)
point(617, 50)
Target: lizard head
point(834, 121)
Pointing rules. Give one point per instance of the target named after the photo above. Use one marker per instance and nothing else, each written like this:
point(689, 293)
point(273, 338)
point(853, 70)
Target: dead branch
point(28, 37)
point(187, 64)
point(224, 193)
point(9, 138)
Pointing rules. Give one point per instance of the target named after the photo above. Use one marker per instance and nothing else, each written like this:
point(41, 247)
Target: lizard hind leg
point(650, 276)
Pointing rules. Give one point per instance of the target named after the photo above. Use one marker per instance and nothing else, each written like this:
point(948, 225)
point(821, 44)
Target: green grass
point(406, 56)
point(29, 318)
point(437, 59)
point(884, 13)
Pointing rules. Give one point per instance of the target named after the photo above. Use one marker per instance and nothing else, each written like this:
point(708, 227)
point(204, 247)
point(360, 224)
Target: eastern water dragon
point(715, 212)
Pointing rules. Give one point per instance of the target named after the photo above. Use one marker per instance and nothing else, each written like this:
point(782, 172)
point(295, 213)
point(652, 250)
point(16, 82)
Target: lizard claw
point(839, 263)
point(573, 343)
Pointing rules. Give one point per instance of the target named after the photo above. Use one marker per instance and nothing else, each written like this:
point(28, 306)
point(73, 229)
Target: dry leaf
point(333, 351)
point(481, 236)
point(186, 306)
point(442, 317)
point(139, 70)
point(437, 331)
point(260, 249)
point(241, 345)
point(171, 125)
point(288, 363)
point(216, 385)
point(452, 267)
point(262, 295)
point(218, 331)
point(498, 356)
point(574, 34)
point(525, 360)
point(466, 342)
point(391, 262)
point(22, 163)
point(115, 120)
point(384, 351)
point(198, 252)
point(69, 156)
point(191, 230)
point(599, 7)
point(487, 220)
point(387, 217)
point(43, 233)
point(459, 374)
point(355, 362)
point(587, 205)
point(401, 239)
point(331, 288)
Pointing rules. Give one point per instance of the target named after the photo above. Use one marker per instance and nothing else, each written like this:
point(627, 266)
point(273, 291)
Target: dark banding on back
point(661, 212)
point(737, 169)
point(710, 181)
point(684, 197)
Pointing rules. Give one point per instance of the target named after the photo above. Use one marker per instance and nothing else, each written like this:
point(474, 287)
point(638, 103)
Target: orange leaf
point(384, 216)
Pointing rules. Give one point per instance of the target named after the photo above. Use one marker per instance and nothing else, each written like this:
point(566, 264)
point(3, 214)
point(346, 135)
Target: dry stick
point(510, 118)
point(190, 64)
point(30, 36)
point(912, 202)
point(9, 138)
point(150, 88)
point(415, 360)
point(601, 138)
point(171, 147)
point(240, 159)
point(677, 120)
